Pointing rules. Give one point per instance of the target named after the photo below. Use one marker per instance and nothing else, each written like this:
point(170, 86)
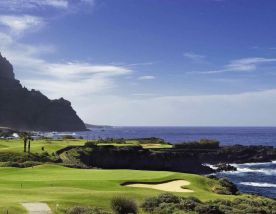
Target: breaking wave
point(256, 184)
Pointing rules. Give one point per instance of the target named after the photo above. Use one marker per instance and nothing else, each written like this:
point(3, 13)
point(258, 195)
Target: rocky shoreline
point(169, 159)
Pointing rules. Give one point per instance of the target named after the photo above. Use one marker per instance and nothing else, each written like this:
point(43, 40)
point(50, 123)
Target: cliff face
point(31, 110)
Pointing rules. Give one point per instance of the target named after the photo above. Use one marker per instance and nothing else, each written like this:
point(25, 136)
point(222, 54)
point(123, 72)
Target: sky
point(148, 62)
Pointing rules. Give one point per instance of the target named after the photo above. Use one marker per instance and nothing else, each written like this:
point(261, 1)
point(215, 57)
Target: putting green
point(62, 187)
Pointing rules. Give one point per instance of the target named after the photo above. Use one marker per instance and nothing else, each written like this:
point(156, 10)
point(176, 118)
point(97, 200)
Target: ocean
point(258, 178)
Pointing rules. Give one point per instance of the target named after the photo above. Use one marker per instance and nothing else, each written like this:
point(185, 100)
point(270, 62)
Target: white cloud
point(58, 79)
point(18, 24)
point(53, 3)
point(242, 65)
point(146, 78)
point(194, 57)
point(205, 110)
point(28, 5)
point(75, 70)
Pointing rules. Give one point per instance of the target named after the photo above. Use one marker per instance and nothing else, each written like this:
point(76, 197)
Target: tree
point(26, 137)
point(29, 144)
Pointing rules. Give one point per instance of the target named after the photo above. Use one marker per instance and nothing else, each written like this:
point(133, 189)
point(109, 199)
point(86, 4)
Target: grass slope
point(62, 187)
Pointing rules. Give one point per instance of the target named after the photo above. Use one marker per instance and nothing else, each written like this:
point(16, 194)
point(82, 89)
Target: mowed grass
point(50, 146)
point(63, 187)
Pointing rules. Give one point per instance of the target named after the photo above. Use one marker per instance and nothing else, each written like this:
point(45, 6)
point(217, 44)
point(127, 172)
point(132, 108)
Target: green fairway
point(62, 187)
point(50, 146)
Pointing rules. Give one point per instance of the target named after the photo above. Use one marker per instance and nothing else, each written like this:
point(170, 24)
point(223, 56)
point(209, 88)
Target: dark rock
point(225, 167)
point(136, 157)
point(31, 110)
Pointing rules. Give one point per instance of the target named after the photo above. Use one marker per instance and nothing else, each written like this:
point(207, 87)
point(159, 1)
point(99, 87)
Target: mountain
point(25, 109)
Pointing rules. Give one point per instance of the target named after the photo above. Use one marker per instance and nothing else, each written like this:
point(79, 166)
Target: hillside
point(25, 109)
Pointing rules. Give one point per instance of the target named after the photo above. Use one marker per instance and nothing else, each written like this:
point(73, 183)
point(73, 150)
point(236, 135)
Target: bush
point(121, 205)
point(202, 144)
point(168, 204)
point(207, 209)
point(189, 204)
point(151, 140)
point(165, 203)
point(150, 204)
point(225, 187)
point(168, 198)
point(90, 144)
point(112, 141)
point(166, 208)
point(85, 210)
point(68, 137)
point(25, 164)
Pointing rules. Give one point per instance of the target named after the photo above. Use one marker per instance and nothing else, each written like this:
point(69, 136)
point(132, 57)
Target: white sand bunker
point(37, 208)
point(171, 186)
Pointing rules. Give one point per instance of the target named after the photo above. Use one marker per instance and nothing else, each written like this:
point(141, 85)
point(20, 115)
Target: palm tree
point(26, 137)
point(29, 143)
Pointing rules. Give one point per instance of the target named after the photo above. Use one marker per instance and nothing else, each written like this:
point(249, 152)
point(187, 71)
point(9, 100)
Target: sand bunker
point(171, 186)
point(37, 208)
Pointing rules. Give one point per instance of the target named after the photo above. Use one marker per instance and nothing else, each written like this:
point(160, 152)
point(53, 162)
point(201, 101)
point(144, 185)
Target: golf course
point(62, 187)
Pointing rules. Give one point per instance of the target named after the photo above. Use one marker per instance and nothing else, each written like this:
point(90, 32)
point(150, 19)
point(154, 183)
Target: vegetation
point(85, 210)
point(225, 187)
point(26, 137)
point(144, 142)
point(38, 146)
point(63, 187)
point(122, 205)
point(70, 190)
point(168, 203)
point(202, 144)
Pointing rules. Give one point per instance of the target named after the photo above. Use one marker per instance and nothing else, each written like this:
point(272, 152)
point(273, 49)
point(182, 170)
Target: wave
point(211, 166)
point(242, 170)
point(255, 164)
point(256, 184)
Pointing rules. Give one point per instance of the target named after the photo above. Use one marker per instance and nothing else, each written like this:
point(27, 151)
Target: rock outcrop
point(23, 109)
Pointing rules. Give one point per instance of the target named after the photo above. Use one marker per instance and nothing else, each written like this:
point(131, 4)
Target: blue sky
point(148, 62)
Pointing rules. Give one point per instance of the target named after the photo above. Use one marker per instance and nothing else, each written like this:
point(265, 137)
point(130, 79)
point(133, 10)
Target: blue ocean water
point(259, 178)
point(226, 135)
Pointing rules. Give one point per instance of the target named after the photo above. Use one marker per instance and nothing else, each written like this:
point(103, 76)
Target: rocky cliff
point(23, 109)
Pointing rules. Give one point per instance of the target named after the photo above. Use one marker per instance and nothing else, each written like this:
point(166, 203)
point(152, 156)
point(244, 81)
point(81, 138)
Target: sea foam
point(256, 184)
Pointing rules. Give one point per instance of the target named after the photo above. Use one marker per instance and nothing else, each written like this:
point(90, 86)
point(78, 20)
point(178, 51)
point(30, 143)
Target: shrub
point(121, 205)
point(207, 209)
point(252, 204)
point(168, 198)
point(85, 210)
point(25, 164)
point(150, 204)
point(68, 137)
point(166, 208)
point(112, 141)
point(225, 187)
point(151, 140)
point(202, 144)
point(90, 144)
point(189, 204)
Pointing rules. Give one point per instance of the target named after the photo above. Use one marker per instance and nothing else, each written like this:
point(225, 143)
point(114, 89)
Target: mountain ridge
point(25, 109)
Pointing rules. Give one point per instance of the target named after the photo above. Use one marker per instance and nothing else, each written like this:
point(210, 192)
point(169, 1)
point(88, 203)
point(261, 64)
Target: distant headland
point(25, 109)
